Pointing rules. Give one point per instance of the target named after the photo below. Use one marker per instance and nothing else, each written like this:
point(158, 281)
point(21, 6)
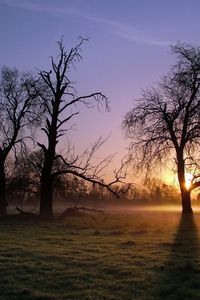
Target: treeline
point(23, 191)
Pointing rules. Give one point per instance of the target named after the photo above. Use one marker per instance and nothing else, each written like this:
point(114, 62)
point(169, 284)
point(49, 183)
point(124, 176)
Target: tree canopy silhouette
point(20, 109)
point(165, 122)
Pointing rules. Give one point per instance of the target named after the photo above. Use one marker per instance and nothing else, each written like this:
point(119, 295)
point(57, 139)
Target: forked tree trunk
point(3, 203)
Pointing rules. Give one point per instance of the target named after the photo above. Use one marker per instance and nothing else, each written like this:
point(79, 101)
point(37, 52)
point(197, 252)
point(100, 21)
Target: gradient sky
point(128, 49)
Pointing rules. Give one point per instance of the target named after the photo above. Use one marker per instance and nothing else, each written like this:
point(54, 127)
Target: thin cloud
point(128, 32)
point(22, 4)
point(141, 39)
point(37, 7)
point(119, 29)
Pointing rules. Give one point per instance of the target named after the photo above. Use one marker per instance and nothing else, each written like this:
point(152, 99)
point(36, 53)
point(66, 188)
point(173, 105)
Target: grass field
point(140, 255)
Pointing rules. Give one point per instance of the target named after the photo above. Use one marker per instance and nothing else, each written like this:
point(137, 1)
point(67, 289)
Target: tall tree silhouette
point(62, 105)
point(165, 122)
point(19, 110)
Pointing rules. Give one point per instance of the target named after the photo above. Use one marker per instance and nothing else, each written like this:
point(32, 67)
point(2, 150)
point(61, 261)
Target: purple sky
point(128, 49)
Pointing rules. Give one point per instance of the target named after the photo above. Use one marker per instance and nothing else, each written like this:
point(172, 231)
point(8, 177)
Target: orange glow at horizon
point(172, 178)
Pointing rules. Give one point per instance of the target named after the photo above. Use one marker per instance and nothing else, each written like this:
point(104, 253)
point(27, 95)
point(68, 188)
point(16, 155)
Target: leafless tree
point(165, 122)
point(62, 105)
point(19, 110)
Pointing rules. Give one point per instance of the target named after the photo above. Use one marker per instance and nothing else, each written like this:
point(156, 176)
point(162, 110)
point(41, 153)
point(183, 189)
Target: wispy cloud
point(38, 7)
point(128, 32)
point(123, 30)
point(139, 38)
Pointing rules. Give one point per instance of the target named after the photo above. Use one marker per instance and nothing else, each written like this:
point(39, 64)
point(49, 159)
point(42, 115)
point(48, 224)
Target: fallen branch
point(71, 211)
point(26, 213)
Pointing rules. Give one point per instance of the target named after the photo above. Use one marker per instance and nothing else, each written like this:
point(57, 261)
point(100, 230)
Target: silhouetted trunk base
point(46, 198)
point(46, 209)
point(46, 215)
point(187, 211)
point(186, 204)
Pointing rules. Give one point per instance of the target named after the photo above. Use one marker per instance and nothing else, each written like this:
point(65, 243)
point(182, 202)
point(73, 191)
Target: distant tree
point(76, 191)
point(20, 110)
point(63, 104)
point(165, 122)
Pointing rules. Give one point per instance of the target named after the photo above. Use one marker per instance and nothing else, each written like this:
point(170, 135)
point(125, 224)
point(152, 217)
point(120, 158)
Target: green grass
point(135, 256)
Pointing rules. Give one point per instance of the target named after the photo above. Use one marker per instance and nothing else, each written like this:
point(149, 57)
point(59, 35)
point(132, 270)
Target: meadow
point(137, 255)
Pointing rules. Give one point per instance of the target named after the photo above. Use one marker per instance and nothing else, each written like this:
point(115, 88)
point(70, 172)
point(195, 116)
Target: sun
point(188, 179)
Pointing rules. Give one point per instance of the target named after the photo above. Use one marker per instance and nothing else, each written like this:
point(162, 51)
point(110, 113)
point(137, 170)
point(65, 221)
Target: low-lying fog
point(127, 209)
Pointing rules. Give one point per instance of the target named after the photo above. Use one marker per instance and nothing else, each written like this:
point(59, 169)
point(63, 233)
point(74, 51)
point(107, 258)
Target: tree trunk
point(46, 197)
point(185, 193)
point(186, 202)
point(3, 203)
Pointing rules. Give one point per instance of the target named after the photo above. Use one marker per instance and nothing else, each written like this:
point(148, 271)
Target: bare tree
point(62, 105)
point(165, 122)
point(19, 110)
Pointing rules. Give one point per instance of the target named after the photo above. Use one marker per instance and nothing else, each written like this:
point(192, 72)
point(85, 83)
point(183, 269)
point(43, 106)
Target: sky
point(128, 50)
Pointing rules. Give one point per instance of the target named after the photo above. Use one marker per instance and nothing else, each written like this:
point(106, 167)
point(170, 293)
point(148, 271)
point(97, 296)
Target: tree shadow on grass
point(179, 278)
